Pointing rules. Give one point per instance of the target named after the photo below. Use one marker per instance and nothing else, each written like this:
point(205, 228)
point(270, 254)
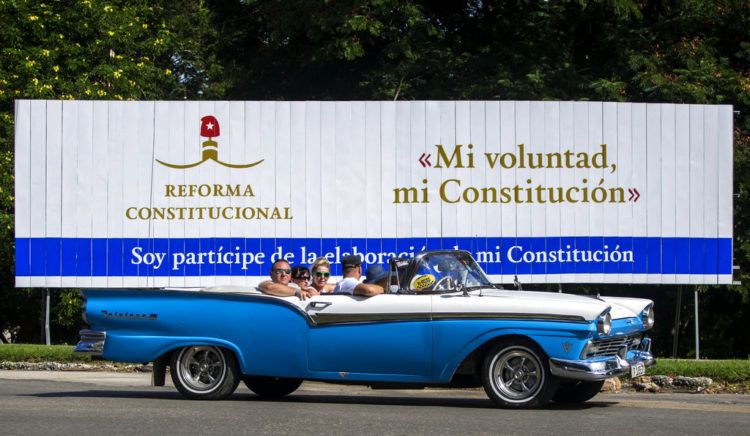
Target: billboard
point(174, 193)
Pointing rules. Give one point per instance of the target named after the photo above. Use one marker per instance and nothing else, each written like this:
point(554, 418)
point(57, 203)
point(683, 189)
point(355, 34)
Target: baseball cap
point(351, 261)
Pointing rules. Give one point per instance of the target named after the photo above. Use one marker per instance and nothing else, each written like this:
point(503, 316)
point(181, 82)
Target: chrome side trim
point(351, 318)
point(595, 370)
point(92, 342)
point(348, 318)
point(513, 316)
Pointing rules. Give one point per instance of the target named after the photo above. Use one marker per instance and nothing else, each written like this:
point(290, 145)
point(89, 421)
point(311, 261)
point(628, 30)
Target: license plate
point(637, 369)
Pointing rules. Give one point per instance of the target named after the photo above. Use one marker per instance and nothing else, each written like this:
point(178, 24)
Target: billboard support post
point(678, 309)
point(46, 317)
point(697, 329)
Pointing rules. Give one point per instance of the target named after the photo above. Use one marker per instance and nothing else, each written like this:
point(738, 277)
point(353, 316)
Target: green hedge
point(732, 371)
point(40, 353)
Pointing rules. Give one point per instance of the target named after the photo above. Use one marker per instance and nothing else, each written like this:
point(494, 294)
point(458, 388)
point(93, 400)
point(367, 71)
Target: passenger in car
point(377, 276)
point(351, 268)
point(281, 274)
point(301, 276)
point(321, 271)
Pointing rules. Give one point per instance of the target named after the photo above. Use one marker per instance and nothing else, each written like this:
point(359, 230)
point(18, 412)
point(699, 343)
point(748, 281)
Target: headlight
point(604, 323)
point(647, 316)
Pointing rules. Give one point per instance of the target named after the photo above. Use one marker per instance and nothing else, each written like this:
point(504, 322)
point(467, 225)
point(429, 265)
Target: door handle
point(320, 304)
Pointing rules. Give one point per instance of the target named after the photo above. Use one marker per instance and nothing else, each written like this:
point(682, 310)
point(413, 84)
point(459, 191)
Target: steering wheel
point(447, 283)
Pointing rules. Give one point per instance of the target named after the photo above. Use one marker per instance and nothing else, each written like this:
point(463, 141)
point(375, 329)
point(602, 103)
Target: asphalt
point(100, 378)
point(143, 379)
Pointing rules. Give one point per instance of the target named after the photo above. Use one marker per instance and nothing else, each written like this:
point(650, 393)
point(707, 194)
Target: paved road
point(111, 403)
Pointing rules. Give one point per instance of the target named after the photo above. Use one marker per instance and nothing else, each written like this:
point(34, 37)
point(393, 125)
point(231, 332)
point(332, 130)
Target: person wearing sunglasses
point(321, 272)
point(281, 275)
point(301, 276)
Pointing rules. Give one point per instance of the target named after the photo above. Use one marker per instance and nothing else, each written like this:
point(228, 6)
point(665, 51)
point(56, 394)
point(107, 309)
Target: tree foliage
point(680, 51)
point(90, 49)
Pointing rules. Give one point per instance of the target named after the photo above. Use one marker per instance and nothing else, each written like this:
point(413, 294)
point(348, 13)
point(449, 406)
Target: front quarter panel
point(456, 339)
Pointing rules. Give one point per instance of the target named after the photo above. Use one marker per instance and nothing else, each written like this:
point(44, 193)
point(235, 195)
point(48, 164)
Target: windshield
point(445, 272)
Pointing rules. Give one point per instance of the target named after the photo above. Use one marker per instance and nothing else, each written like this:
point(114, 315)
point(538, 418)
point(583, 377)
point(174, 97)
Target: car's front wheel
point(205, 372)
point(273, 387)
point(577, 391)
point(515, 374)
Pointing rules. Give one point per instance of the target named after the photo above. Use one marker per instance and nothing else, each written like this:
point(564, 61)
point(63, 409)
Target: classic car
point(441, 322)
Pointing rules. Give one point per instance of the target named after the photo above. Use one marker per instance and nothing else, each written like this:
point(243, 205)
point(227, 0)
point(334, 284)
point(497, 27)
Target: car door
point(385, 337)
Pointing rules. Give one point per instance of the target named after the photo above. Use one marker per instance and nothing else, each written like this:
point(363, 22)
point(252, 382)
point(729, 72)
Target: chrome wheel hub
point(202, 369)
point(517, 374)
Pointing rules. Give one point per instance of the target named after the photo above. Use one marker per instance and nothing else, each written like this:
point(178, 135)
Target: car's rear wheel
point(577, 391)
point(273, 387)
point(515, 374)
point(205, 372)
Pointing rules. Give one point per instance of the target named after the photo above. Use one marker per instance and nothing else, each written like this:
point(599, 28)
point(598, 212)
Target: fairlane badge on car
point(129, 315)
point(440, 323)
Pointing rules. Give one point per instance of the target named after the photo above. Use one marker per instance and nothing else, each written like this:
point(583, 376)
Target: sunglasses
point(282, 271)
point(322, 274)
point(302, 278)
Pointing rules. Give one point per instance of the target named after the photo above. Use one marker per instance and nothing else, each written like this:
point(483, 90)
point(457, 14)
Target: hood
point(540, 303)
point(623, 307)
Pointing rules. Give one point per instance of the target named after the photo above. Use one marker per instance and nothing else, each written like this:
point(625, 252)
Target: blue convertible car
point(441, 323)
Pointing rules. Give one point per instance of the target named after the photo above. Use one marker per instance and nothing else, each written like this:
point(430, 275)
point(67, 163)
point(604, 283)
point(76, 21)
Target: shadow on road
point(313, 398)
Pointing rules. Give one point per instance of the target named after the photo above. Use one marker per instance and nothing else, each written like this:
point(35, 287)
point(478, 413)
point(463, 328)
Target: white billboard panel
point(151, 194)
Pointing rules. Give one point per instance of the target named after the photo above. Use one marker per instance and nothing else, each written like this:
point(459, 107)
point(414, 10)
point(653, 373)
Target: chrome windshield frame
point(461, 255)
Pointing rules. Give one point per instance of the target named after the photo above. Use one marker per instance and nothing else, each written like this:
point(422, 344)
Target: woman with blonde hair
point(321, 272)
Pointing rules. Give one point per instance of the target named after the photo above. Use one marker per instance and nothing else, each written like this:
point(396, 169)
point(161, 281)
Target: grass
point(40, 353)
point(731, 371)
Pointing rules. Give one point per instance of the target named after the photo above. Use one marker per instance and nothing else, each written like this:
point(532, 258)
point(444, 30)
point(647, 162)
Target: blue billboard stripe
point(696, 256)
point(98, 257)
point(653, 261)
point(130, 249)
point(115, 257)
point(253, 256)
point(38, 257)
point(23, 257)
point(207, 245)
point(83, 257)
point(68, 255)
point(553, 244)
point(724, 255)
point(682, 255)
point(668, 260)
point(710, 254)
point(640, 263)
point(53, 254)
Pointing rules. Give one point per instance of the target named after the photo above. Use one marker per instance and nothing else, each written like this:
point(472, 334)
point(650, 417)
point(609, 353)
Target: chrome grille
point(610, 346)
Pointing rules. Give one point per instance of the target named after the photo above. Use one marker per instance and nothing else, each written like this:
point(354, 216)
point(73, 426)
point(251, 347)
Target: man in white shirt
point(351, 269)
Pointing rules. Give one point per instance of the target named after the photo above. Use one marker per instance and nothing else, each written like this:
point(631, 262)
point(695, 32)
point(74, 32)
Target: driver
point(351, 268)
point(281, 274)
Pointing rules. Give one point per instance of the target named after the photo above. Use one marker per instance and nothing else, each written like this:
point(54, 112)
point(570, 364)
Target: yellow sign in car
point(422, 282)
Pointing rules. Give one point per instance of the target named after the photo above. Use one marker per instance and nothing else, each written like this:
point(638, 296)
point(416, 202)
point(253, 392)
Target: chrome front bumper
point(600, 369)
point(92, 342)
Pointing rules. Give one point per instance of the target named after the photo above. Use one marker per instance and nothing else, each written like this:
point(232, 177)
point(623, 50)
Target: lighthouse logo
point(209, 129)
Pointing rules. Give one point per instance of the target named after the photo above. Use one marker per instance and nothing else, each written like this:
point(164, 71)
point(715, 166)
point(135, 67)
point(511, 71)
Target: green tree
point(90, 49)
